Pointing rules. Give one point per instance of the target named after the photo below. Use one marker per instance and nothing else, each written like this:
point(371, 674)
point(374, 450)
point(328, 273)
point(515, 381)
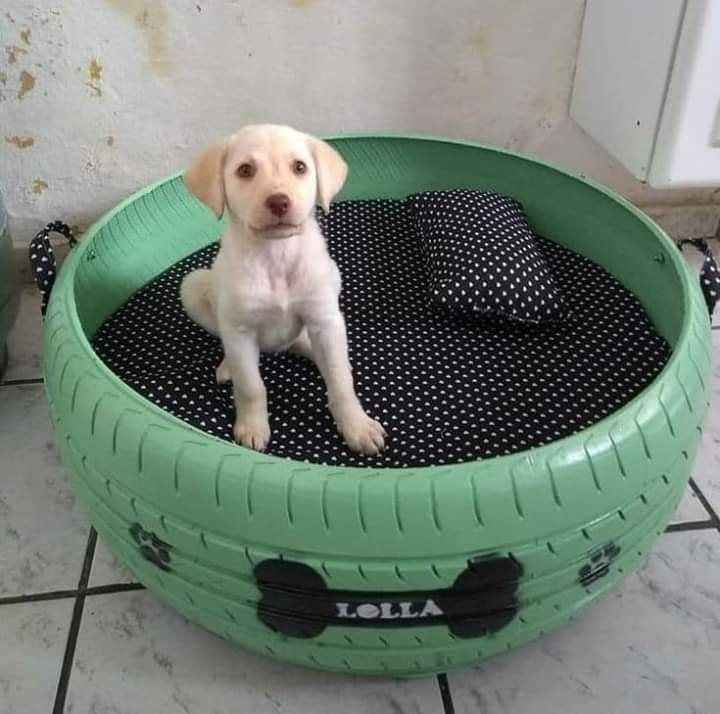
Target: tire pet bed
point(391, 566)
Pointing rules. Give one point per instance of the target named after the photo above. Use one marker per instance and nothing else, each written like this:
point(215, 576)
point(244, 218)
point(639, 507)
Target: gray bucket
point(8, 287)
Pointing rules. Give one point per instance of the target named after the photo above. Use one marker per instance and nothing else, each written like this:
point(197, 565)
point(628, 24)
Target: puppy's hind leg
point(302, 346)
point(197, 294)
point(222, 373)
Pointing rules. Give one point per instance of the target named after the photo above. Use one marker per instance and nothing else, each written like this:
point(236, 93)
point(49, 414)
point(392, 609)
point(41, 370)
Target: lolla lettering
point(387, 610)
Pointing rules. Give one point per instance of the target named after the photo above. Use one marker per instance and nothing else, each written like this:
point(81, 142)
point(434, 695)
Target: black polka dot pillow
point(482, 257)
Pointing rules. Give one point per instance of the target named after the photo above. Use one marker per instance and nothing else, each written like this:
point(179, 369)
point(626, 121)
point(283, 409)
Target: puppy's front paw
point(363, 434)
point(252, 430)
point(222, 373)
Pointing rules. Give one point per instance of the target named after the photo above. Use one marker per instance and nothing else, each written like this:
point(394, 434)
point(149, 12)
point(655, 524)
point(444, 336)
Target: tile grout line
point(74, 630)
point(706, 504)
point(445, 694)
point(37, 597)
point(21, 382)
point(686, 526)
point(109, 589)
point(114, 588)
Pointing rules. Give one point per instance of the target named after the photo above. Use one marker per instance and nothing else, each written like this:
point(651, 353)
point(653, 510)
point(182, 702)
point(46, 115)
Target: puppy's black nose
point(278, 204)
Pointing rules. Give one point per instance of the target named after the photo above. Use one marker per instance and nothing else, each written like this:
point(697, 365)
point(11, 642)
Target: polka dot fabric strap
point(709, 274)
point(42, 258)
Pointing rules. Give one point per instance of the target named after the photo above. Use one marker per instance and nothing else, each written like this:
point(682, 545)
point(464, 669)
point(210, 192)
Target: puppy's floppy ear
point(204, 178)
point(331, 171)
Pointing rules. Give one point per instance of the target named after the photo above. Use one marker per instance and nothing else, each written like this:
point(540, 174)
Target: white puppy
point(273, 285)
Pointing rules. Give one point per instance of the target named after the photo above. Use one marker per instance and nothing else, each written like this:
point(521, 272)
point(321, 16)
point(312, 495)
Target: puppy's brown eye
point(300, 167)
point(246, 171)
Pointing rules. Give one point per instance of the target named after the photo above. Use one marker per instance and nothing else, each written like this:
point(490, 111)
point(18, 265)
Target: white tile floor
point(653, 646)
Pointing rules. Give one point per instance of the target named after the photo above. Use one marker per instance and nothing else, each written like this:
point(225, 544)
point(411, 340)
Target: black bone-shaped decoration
point(296, 601)
point(151, 547)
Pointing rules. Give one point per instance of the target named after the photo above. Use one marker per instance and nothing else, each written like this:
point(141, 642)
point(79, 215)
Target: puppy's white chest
point(271, 288)
point(266, 302)
point(270, 292)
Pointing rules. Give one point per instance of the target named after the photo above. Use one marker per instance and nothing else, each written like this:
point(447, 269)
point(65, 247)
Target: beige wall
point(97, 98)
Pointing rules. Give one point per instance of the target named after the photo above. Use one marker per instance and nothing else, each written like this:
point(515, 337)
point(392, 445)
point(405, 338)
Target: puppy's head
point(268, 177)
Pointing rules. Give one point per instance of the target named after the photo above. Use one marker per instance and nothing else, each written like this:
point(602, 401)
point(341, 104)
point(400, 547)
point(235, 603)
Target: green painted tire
point(206, 524)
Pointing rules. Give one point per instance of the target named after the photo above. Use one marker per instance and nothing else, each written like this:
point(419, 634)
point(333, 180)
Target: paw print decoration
point(151, 547)
point(598, 565)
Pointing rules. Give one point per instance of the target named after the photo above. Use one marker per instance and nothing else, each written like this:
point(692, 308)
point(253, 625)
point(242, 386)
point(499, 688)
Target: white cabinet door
point(687, 150)
point(647, 87)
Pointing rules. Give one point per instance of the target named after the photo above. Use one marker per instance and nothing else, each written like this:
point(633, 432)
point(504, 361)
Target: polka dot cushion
point(446, 391)
point(483, 261)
